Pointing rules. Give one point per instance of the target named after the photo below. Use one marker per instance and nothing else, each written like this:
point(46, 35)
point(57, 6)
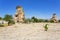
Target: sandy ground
point(33, 31)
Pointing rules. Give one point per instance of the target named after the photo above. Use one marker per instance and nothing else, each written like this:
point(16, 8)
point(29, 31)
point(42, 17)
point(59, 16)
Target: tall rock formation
point(19, 15)
point(54, 18)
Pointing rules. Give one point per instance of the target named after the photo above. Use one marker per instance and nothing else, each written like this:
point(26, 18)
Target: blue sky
point(38, 8)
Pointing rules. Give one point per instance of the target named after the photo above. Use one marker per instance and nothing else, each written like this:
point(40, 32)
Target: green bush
point(1, 25)
point(46, 27)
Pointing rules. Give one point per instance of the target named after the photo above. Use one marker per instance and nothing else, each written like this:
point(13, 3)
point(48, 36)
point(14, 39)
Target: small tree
point(9, 19)
point(33, 19)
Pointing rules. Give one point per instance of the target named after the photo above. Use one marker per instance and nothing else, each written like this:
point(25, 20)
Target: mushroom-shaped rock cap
point(54, 13)
point(18, 7)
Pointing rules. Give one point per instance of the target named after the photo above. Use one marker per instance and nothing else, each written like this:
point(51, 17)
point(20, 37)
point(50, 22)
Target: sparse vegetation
point(27, 20)
point(36, 20)
point(40, 20)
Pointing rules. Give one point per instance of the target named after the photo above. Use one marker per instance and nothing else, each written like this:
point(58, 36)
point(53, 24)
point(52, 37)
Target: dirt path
point(33, 31)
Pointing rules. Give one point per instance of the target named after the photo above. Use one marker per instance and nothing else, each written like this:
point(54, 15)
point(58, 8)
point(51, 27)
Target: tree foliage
point(0, 18)
point(33, 19)
point(7, 17)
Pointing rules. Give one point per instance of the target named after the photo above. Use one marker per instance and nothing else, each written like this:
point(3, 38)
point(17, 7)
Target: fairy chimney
point(19, 15)
point(54, 18)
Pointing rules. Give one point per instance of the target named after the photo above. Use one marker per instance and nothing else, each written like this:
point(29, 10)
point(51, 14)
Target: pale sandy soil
point(33, 31)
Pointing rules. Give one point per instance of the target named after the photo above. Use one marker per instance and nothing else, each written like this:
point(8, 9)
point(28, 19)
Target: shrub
point(46, 27)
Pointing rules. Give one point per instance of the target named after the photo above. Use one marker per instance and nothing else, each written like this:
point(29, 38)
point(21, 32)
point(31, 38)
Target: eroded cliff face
point(19, 15)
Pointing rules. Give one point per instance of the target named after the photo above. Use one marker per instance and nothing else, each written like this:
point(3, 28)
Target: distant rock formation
point(19, 15)
point(54, 18)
